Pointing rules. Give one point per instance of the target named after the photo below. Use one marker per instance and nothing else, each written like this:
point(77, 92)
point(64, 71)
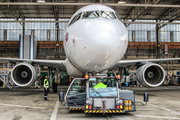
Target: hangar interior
point(153, 27)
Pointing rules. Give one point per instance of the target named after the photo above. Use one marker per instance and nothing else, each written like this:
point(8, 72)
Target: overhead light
point(40, 1)
point(121, 2)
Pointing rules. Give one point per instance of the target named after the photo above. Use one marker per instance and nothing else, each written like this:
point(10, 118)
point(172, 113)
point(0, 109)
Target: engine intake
point(150, 75)
point(23, 74)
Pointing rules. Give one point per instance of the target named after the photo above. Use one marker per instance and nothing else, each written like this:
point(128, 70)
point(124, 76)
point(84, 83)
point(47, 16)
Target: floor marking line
point(11, 105)
point(166, 109)
point(122, 117)
point(130, 117)
point(162, 117)
point(146, 109)
point(54, 114)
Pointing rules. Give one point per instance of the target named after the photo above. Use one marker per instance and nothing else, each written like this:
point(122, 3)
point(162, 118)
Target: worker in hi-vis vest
point(100, 85)
point(46, 88)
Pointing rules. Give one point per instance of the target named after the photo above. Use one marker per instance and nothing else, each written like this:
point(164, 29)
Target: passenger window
point(91, 14)
point(76, 18)
point(108, 15)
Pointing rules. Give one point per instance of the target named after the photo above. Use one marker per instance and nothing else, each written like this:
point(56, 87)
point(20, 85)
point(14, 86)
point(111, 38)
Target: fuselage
point(95, 39)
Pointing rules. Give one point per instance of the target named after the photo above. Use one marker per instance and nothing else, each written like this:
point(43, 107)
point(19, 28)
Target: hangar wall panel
point(141, 31)
point(13, 30)
point(40, 30)
point(165, 32)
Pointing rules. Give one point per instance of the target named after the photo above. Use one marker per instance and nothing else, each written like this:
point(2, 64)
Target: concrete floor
point(28, 104)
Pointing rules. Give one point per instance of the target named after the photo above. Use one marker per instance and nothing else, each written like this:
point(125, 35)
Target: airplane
point(95, 42)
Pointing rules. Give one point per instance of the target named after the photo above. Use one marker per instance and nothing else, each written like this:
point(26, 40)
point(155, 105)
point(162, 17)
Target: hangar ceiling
point(159, 10)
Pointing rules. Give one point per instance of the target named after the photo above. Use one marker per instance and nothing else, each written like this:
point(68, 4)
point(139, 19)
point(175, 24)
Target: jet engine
point(23, 74)
point(150, 75)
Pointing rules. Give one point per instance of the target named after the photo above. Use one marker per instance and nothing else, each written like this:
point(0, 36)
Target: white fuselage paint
point(94, 44)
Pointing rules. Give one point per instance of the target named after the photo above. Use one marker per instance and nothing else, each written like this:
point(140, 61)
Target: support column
point(158, 46)
point(50, 75)
point(57, 41)
point(23, 27)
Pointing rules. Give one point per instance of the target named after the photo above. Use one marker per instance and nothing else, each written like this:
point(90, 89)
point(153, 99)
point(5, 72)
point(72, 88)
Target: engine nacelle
point(150, 75)
point(23, 74)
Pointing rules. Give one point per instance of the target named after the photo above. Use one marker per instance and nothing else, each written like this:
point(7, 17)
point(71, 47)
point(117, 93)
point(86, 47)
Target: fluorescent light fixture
point(121, 2)
point(41, 1)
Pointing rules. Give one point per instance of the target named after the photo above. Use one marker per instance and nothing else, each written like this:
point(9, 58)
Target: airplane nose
point(106, 43)
point(104, 31)
point(107, 34)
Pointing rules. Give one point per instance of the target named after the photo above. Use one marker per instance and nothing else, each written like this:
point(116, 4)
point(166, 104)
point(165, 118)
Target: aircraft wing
point(126, 63)
point(48, 63)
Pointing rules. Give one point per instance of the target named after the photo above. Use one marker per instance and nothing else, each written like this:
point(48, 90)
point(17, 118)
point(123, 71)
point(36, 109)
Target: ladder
point(4, 78)
point(5, 75)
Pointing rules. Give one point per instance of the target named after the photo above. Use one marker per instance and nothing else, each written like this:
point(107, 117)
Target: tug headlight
point(88, 101)
point(119, 101)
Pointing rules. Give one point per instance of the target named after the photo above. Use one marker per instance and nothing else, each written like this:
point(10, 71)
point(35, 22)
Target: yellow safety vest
point(100, 85)
point(47, 83)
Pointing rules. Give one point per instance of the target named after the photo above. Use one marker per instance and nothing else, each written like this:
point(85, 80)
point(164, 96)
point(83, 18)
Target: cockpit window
point(117, 16)
point(76, 18)
point(90, 14)
point(108, 15)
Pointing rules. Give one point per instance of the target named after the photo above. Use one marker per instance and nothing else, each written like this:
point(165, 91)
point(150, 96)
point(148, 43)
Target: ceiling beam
point(54, 8)
point(17, 15)
point(149, 9)
point(83, 4)
point(172, 20)
point(25, 7)
point(67, 22)
point(38, 11)
point(166, 11)
point(63, 16)
point(13, 9)
point(130, 10)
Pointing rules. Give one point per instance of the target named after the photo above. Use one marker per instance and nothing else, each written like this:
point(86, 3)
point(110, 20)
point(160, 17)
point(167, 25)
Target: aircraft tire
point(55, 88)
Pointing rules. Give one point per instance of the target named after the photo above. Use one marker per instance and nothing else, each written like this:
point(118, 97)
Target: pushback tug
point(108, 97)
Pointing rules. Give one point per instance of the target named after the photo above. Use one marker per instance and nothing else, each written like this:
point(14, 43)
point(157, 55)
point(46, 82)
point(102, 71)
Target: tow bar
point(104, 110)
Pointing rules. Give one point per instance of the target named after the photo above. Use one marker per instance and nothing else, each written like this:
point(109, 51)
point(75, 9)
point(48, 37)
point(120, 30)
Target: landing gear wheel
point(55, 88)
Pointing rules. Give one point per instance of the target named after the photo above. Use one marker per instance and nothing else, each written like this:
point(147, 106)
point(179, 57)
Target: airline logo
point(67, 36)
